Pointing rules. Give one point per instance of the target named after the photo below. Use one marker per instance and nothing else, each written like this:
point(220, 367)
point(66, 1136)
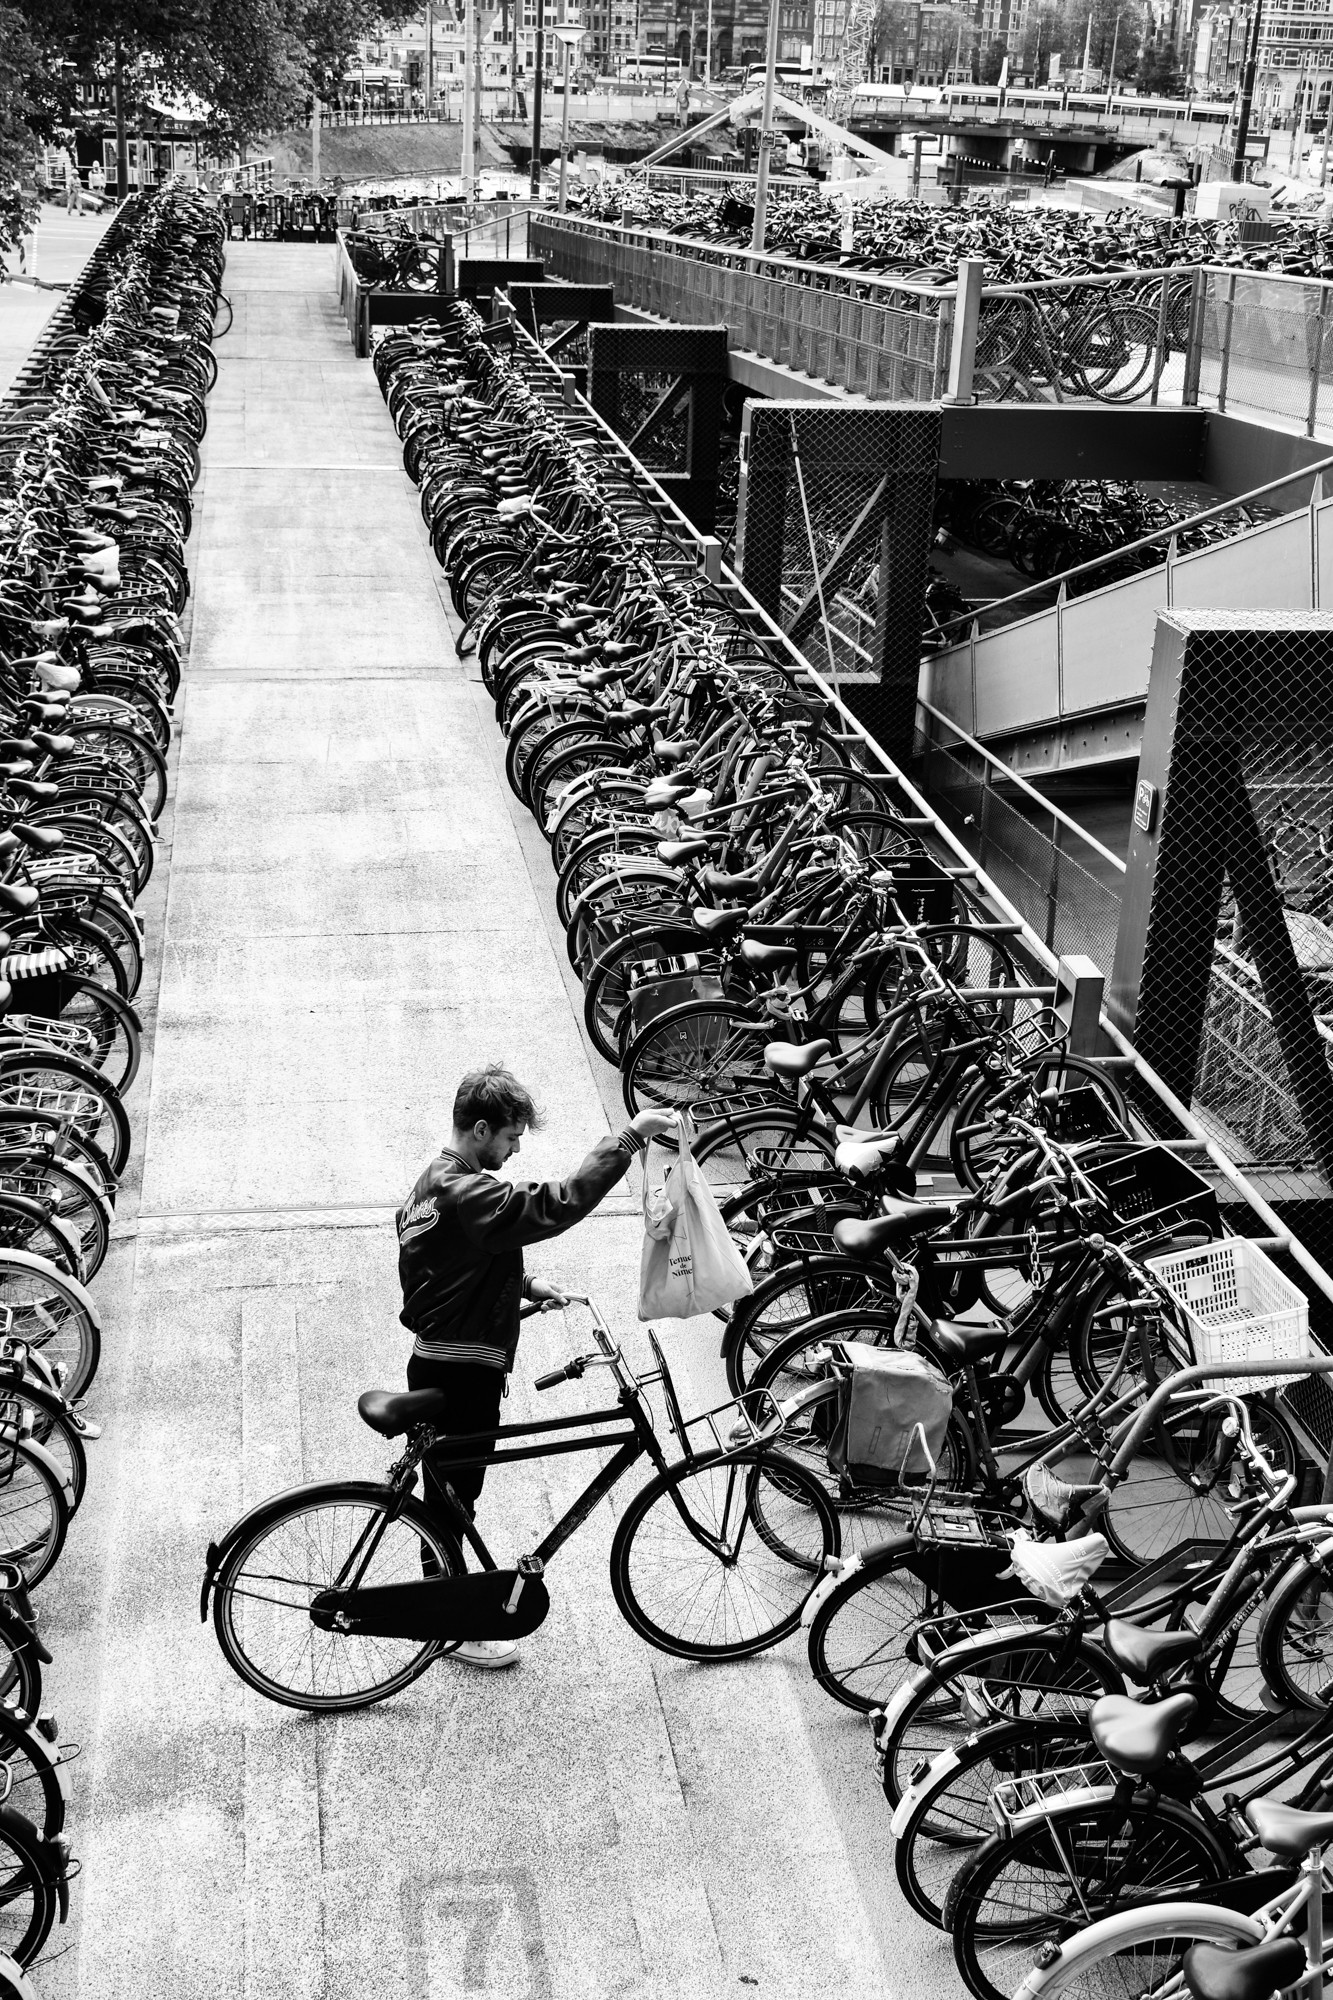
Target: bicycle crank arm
point(496, 1604)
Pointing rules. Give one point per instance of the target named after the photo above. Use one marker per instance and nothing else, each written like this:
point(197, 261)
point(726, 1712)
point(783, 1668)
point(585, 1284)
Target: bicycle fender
point(217, 1552)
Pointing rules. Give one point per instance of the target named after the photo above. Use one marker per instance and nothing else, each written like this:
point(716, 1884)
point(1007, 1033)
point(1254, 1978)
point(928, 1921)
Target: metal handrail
point(1146, 541)
point(1013, 778)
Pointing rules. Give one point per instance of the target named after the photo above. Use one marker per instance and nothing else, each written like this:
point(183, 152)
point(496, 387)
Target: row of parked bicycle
point(1046, 526)
point(950, 1220)
point(100, 445)
point(900, 234)
point(294, 214)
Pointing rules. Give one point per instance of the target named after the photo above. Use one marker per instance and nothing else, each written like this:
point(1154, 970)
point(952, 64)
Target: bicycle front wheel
point(310, 1541)
point(714, 1559)
point(1137, 1951)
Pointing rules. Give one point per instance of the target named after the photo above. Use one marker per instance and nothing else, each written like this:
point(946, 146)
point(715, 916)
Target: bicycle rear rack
point(1045, 1792)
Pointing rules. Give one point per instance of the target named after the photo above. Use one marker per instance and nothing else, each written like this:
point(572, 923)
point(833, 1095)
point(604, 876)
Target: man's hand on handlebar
point(545, 1298)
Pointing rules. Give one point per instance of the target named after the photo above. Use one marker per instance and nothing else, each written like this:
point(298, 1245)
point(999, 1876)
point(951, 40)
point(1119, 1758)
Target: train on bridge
point(897, 104)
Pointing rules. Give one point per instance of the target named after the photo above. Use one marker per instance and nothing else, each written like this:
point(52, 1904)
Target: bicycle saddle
point(963, 1344)
point(900, 1222)
point(18, 897)
point(765, 957)
point(720, 884)
point(793, 1060)
point(1137, 1737)
point(664, 792)
point(391, 1413)
point(676, 852)
point(1146, 1656)
point(1215, 1972)
point(718, 923)
point(1285, 1831)
point(862, 1156)
point(674, 752)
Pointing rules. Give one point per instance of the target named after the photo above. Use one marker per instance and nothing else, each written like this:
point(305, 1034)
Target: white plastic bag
point(689, 1263)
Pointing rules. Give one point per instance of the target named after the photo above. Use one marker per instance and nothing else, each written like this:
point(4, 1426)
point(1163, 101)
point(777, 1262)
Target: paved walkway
point(348, 914)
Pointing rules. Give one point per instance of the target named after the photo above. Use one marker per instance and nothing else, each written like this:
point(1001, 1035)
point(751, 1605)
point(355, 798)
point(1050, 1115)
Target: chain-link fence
point(1227, 946)
point(833, 539)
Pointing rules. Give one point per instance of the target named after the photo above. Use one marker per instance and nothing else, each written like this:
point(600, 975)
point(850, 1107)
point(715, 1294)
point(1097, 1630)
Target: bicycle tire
point(793, 1522)
point(1134, 1849)
point(948, 1809)
point(974, 1143)
point(31, 1871)
point(760, 1142)
point(370, 1500)
point(31, 1069)
point(698, 1050)
point(850, 1656)
point(1296, 1635)
point(54, 1315)
point(34, 1509)
point(1157, 1507)
point(1174, 1926)
point(29, 1770)
point(802, 1290)
point(1016, 1673)
point(113, 1023)
point(606, 988)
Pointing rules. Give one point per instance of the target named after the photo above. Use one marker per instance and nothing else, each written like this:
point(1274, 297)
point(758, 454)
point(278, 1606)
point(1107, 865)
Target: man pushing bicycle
point(461, 1236)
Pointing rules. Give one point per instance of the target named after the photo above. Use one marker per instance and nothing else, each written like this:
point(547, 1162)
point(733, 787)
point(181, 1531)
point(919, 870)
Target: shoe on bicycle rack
point(489, 1653)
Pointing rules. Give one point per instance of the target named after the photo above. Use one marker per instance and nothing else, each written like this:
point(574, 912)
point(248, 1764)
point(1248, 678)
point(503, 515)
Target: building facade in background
point(1295, 56)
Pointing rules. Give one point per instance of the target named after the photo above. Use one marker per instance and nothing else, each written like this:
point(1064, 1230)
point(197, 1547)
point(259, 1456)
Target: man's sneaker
point(486, 1652)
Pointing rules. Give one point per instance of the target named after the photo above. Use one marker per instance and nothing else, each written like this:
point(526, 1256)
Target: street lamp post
point(570, 34)
point(766, 130)
point(535, 164)
point(1247, 95)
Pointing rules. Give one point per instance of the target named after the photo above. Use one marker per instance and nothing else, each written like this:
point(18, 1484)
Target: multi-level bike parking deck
point(357, 910)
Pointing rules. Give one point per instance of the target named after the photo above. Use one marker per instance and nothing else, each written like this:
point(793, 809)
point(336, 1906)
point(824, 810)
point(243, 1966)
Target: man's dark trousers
point(474, 1396)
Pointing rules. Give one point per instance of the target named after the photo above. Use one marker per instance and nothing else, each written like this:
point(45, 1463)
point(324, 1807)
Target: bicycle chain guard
point(447, 1608)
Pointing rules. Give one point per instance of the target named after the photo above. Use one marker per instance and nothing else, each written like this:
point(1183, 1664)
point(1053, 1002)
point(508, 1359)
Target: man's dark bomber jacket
point(461, 1235)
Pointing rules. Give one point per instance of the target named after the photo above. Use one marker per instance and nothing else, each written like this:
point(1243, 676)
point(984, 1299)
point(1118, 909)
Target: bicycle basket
point(660, 983)
point(1082, 1114)
point(889, 1403)
point(1238, 1307)
point(1150, 1191)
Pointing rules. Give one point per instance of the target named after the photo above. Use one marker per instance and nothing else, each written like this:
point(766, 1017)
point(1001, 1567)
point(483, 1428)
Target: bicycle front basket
point(1149, 1191)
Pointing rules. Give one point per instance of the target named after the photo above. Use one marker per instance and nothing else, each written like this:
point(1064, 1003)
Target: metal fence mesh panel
point(1235, 1001)
point(838, 504)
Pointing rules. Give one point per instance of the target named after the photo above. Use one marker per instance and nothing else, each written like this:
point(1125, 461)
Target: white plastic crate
point(1238, 1307)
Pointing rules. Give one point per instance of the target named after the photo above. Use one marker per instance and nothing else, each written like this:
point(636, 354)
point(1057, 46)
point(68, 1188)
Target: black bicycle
point(341, 1593)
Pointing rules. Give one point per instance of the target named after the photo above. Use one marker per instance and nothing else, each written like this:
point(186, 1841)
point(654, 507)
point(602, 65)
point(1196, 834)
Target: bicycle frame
point(633, 1443)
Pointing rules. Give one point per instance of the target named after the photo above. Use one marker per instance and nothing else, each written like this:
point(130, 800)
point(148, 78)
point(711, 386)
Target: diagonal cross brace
point(829, 578)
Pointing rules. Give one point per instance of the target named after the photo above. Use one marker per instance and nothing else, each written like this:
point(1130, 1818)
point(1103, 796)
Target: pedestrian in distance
point(71, 187)
point(461, 1236)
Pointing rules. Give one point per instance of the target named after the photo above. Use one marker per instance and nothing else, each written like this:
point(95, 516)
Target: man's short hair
point(493, 1094)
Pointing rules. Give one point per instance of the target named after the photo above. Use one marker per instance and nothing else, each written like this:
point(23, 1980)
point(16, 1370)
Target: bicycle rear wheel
point(948, 1811)
point(30, 1875)
point(305, 1543)
point(715, 1558)
point(1052, 1875)
point(861, 1634)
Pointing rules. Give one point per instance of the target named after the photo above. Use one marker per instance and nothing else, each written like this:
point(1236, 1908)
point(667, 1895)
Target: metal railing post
point(1316, 363)
point(1189, 394)
point(1225, 365)
point(967, 313)
point(1160, 361)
